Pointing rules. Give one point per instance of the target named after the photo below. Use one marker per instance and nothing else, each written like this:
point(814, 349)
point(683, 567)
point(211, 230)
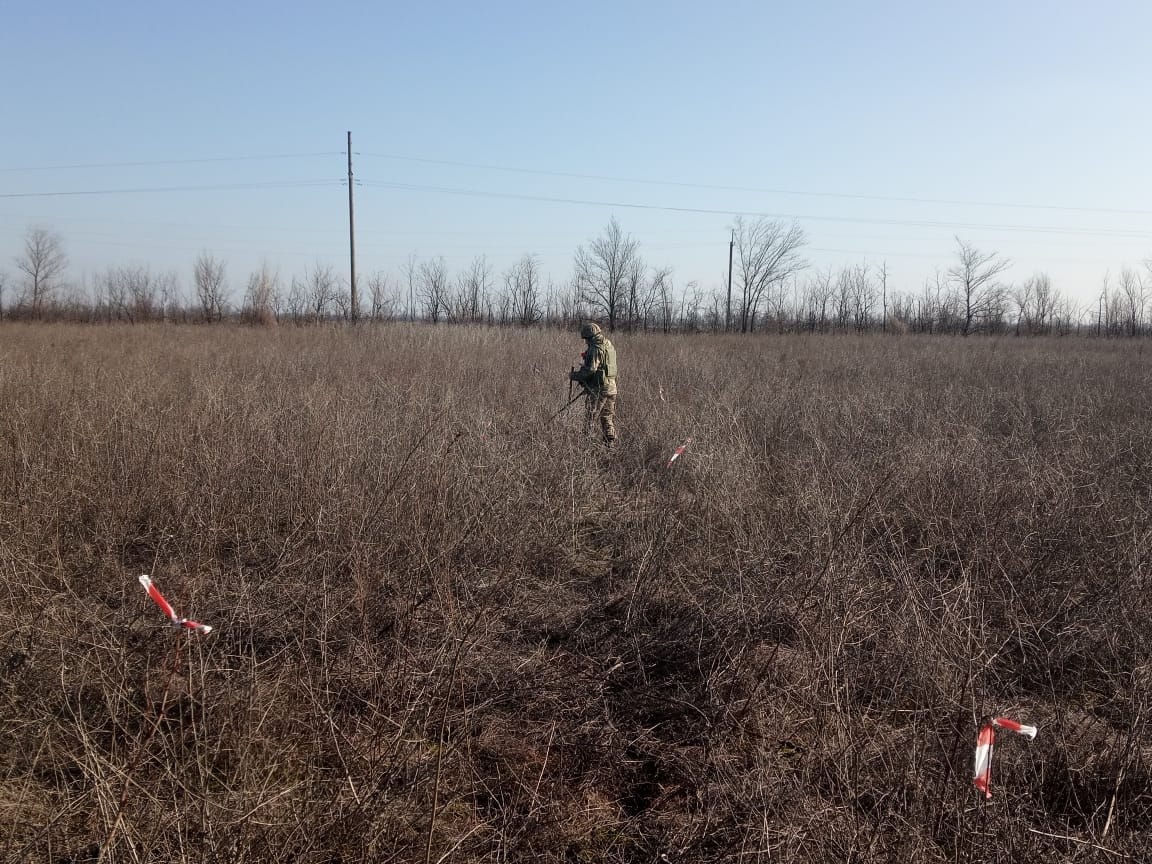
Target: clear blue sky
point(1021, 103)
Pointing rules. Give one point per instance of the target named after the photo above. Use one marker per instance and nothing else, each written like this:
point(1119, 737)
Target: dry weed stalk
point(449, 629)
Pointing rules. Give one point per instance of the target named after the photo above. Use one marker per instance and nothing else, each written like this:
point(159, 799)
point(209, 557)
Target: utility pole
point(728, 312)
point(352, 238)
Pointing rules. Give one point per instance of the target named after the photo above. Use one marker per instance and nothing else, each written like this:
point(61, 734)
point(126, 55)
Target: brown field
point(450, 630)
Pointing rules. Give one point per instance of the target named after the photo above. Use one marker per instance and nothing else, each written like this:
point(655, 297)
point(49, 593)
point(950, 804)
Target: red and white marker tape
point(982, 776)
point(167, 609)
point(679, 452)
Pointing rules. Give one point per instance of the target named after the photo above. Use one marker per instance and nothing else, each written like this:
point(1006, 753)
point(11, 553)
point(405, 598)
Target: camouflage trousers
point(602, 408)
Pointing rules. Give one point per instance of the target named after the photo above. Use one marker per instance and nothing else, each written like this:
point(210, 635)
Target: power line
point(568, 174)
point(914, 223)
point(759, 190)
point(274, 184)
point(160, 224)
point(157, 162)
point(21, 221)
point(246, 249)
point(932, 255)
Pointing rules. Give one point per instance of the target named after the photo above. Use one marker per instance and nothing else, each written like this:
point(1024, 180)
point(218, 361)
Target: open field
point(448, 629)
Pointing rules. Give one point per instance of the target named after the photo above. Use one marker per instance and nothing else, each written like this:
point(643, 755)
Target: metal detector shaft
point(568, 404)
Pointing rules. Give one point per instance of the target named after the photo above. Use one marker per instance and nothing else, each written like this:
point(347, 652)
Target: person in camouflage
point(598, 376)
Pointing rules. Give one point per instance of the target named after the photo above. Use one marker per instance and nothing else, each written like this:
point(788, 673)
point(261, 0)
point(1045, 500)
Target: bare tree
point(133, 293)
point(662, 290)
point(42, 263)
point(522, 288)
point(296, 300)
point(432, 284)
point(412, 277)
point(845, 284)
point(901, 311)
point(1023, 295)
point(818, 292)
point(884, 296)
point(504, 307)
point(973, 279)
point(211, 287)
point(551, 303)
point(380, 292)
point(644, 291)
point(1102, 304)
point(1044, 305)
point(715, 316)
point(602, 272)
point(1066, 317)
point(321, 287)
point(863, 297)
point(691, 311)
point(116, 295)
point(638, 294)
point(1035, 302)
point(342, 299)
point(261, 298)
point(3, 285)
point(565, 306)
point(169, 296)
point(74, 302)
point(1132, 300)
point(472, 288)
point(768, 252)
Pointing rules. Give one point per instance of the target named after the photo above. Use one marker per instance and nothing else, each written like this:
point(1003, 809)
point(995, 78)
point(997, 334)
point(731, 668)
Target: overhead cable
point(758, 190)
point(915, 223)
point(275, 184)
point(156, 162)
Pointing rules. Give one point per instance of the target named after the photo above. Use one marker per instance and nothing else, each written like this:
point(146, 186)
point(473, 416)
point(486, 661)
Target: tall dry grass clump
point(450, 629)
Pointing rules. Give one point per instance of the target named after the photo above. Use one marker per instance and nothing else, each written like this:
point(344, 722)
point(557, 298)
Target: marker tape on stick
point(166, 608)
point(985, 742)
point(679, 452)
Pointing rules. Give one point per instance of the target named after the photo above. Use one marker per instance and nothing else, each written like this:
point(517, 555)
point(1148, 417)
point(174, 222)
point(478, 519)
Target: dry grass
point(451, 630)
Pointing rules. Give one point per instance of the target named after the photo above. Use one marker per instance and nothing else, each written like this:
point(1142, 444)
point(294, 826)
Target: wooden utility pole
point(728, 312)
point(352, 238)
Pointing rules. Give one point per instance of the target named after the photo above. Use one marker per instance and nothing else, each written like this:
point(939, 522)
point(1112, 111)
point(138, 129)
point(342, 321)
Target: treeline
point(771, 288)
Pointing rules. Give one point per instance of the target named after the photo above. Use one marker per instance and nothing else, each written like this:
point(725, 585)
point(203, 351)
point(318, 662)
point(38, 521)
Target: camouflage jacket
point(598, 372)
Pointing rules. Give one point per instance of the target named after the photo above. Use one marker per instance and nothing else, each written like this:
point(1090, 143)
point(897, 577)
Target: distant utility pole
point(352, 238)
point(728, 312)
